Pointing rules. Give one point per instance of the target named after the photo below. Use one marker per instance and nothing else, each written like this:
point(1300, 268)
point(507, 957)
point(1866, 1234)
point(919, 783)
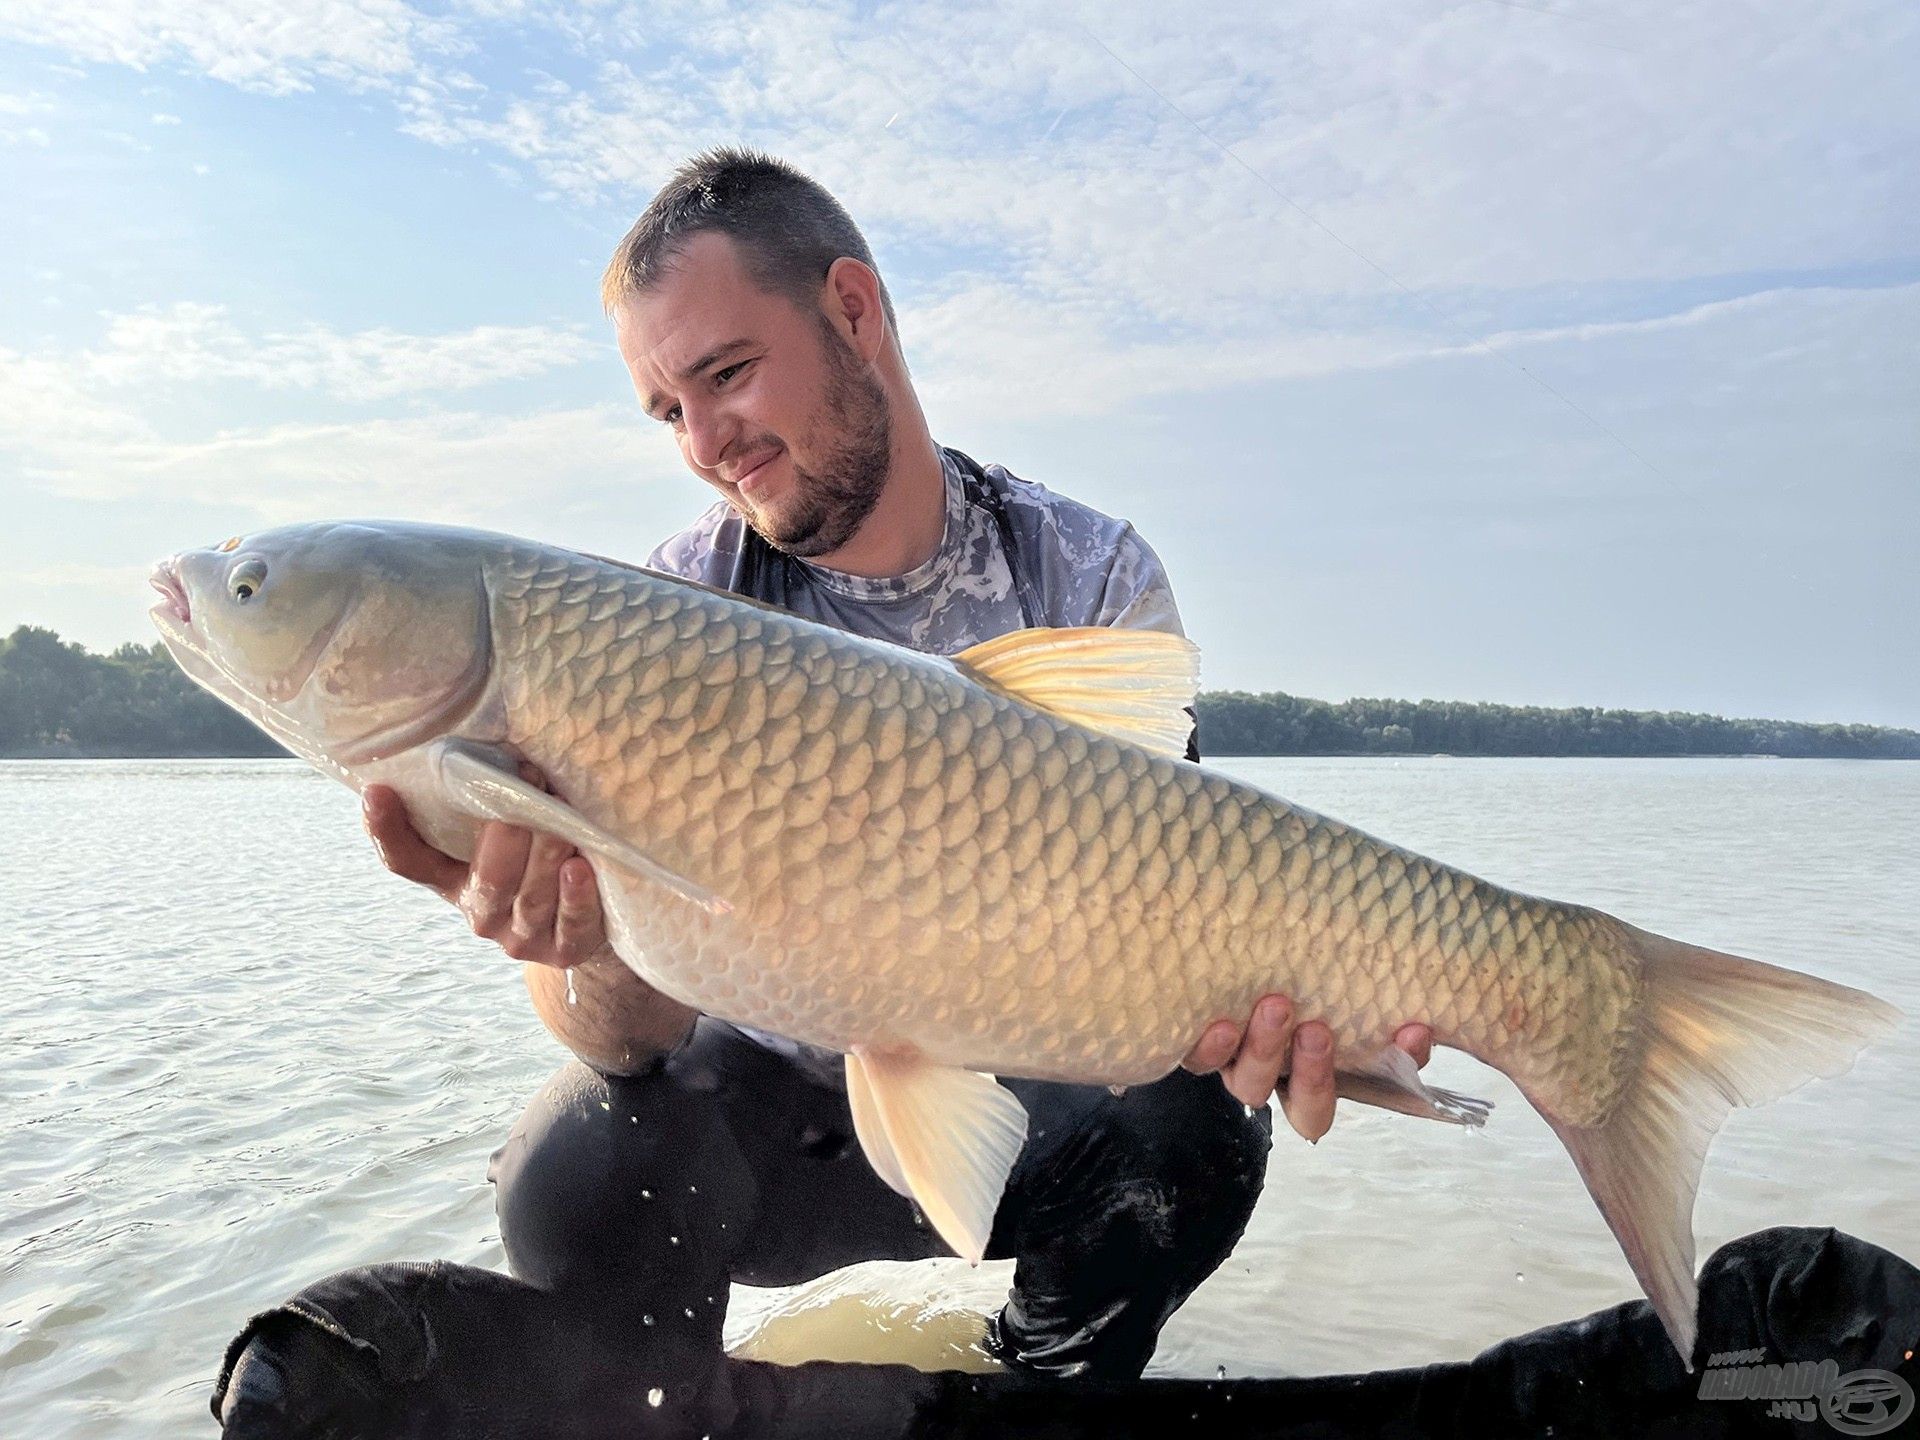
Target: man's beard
point(829, 504)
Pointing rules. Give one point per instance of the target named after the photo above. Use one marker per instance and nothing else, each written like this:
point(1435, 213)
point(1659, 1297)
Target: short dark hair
point(788, 228)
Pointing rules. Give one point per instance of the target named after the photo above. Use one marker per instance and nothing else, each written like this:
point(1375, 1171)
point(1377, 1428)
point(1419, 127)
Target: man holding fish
point(755, 326)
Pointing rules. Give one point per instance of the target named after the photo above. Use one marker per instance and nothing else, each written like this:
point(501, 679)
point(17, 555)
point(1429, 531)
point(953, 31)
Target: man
point(684, 1152)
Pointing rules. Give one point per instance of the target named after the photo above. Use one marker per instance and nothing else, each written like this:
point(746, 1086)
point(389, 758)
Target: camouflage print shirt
point(1089, 569)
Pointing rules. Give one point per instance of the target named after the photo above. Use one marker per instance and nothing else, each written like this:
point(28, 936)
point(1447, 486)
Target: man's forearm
point(612, 1019)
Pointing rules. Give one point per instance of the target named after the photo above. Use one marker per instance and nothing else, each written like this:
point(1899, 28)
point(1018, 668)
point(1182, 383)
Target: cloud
point(76, 574)
point(289, 46)
point(102, 423)
point(990, 350)
point(457, 467)
point(1249, 195)
point(17, 109)
point(452, 465)
point(1275, 151)
point(195, 344)
point(1185, 173)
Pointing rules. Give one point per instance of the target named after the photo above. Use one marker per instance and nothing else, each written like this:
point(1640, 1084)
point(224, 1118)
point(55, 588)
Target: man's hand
point(530, 893)
point(1253, 1060)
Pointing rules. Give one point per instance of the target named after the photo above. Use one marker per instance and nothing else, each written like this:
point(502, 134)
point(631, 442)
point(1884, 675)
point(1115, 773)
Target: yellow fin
point(1135, 685)
point(945, 1137)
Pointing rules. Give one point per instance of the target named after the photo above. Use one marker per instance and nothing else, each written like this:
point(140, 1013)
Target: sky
point(1468, 349)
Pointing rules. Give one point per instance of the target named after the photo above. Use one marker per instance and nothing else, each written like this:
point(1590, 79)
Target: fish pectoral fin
point(481, 788)
point(1392, 1081)
point(1135, 685)
point(946, 1138)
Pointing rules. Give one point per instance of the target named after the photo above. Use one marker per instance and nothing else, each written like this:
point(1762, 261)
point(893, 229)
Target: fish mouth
point(166, 580)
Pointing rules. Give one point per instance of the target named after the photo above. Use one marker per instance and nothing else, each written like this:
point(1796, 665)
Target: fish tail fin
point(1719, 1031)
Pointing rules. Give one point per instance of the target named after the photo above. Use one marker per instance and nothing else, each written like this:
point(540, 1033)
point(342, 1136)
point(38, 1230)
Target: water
point(236, 1055)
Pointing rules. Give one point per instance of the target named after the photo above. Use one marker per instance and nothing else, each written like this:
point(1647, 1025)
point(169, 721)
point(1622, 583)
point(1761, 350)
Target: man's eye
point(722, 376)
point(672, 417)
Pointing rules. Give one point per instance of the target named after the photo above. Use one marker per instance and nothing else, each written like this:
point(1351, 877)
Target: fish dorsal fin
point(1135, 685)
point(944, 1137)
point(482, 789)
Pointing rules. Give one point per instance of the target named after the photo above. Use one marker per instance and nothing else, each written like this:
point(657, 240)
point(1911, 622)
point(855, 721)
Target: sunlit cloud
point(287, 47)
point(192, 344)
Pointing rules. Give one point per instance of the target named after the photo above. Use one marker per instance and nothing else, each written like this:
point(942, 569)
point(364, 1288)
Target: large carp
point(995, 864)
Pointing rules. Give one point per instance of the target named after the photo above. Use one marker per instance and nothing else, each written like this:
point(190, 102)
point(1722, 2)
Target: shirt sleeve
point(699, 552)
point(1138, 594)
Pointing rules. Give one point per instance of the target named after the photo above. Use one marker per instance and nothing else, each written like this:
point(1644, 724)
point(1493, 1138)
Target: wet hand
point(1270, 1055)
point(530, 893)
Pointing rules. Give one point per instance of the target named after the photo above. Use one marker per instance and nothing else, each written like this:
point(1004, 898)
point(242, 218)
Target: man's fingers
point(499, 863)
point(538, 900)
point(400, 847)
point(1308, 1103)
point(1214, 1048)
point(579, 930)
point(1417, 1040)
point(1252, 1074)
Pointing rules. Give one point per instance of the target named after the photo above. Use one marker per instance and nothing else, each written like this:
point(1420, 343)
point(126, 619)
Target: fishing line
point(1472, 342)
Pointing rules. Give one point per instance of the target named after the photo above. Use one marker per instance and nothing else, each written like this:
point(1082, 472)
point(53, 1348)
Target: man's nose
point(709, 431)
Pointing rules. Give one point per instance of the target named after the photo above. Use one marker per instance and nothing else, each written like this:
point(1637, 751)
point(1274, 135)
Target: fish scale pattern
point(914, 857)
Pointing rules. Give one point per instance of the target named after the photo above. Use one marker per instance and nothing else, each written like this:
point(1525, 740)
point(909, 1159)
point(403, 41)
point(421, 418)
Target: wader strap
point(760, 572)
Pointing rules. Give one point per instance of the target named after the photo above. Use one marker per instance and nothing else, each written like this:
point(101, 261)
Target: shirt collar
point(936, 569)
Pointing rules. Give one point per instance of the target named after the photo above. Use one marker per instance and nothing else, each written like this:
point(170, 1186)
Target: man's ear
point(852, 301)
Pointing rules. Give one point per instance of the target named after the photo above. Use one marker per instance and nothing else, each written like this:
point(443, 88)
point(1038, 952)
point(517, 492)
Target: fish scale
point(954, 869)
point(940, 831)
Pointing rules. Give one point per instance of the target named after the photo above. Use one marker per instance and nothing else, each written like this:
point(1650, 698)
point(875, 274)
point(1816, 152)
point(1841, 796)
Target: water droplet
point(673, 1239)
point(1517, 1275)
point(573, 996)
point(646, 1319)
point(655, 1396)
point(693, 1189)
point(1219, 1372)
point(689, 1311)
point(646, 1194)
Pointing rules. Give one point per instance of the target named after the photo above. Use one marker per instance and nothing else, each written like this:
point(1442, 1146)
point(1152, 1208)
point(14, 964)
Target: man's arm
point(535, 897)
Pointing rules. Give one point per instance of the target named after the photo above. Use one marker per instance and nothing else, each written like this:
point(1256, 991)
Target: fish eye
point(246, 579)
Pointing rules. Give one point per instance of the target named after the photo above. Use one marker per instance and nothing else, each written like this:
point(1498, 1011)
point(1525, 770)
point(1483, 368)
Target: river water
point(235, 1055)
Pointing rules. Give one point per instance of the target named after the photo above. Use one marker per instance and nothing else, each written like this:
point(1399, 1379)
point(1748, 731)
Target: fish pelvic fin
point(1719, 1031)
point(944, 1137)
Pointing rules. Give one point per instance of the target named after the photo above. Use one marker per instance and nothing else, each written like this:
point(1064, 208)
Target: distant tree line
point(58, 699)
point(1235, 723)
